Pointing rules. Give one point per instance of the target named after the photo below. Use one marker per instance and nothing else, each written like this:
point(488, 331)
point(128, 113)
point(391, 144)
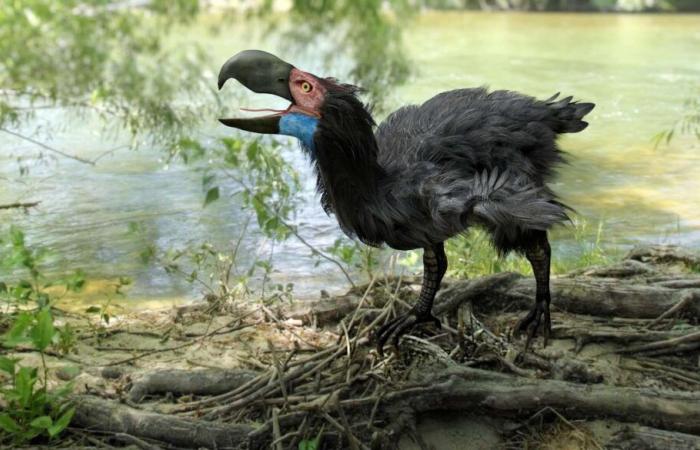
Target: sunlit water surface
point(638, 69)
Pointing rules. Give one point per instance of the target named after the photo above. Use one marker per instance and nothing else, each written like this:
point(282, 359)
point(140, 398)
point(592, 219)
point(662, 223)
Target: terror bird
point(428, 172)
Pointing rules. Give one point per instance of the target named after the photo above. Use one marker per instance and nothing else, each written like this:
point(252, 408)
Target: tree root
point(354, 398)
point(99, 415)
point(640, 437)
point(179, 382)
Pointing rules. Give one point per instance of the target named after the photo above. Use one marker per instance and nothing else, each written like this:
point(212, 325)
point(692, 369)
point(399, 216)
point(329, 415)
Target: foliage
point(264, 181)
point(688, 124)
point(368, 32)
point(32, 411)
point(103, 311)
point(567, 5)
point(98, 56)
point(221, 275)
point(355, 256)
point(473, 255)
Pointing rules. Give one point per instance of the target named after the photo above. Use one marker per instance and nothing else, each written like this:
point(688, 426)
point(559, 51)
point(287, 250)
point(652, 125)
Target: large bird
point(465, 157)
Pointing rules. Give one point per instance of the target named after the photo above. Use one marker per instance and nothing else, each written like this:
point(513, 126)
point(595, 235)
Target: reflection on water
point(637, 69)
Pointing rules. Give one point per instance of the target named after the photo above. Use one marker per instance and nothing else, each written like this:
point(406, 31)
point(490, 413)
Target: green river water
point(638, 69)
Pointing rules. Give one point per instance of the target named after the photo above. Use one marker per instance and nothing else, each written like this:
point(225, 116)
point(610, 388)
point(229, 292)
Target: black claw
point(397, 327)
point(531, 323)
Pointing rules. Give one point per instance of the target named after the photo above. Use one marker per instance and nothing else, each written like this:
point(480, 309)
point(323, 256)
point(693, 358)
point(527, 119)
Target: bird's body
point(465, 157)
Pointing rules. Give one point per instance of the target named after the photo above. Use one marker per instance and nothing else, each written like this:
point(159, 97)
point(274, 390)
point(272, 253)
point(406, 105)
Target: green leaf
point(41, 422)
point(93, 309)
point(8, 364)
point(17, 333)
point(16, 236)
point(61, 423)
point(8, 424)
point(147, 254)
point(212, 196)
point(76, 281)
point(307, 444)
point(207, 179)
point(24, 385)
point(43, 331)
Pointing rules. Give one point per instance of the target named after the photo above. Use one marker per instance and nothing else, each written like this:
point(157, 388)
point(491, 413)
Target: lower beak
point(262, 125)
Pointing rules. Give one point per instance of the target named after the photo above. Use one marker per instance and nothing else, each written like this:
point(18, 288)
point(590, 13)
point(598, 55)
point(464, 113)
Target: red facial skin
point(307, 91)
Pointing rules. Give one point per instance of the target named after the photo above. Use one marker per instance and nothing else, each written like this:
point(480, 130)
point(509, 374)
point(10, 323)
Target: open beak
point(260, 72)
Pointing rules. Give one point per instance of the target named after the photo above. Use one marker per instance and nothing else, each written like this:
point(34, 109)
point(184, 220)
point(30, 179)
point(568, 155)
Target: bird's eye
point(305, 86)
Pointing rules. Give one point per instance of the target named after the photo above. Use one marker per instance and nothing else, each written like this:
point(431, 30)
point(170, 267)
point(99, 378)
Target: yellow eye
point(306, 87)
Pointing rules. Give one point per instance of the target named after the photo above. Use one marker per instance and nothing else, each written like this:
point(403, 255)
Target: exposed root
point(353, 398)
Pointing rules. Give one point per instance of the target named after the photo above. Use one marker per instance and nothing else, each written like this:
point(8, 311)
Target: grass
point(473, 255)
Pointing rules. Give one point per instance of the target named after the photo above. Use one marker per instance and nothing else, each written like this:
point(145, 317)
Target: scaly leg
point(434, 268)
point(538, 252)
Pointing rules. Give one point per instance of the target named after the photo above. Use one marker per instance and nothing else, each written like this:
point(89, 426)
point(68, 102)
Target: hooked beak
point(260, 72)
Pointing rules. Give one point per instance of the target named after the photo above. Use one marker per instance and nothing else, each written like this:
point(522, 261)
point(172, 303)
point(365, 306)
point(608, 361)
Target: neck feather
point(345, 152)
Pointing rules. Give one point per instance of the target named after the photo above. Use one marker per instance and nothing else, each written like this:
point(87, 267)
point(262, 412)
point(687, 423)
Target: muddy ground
point(622, 369)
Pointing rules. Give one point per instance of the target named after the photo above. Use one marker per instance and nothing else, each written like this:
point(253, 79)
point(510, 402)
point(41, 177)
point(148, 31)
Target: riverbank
point(620, 370)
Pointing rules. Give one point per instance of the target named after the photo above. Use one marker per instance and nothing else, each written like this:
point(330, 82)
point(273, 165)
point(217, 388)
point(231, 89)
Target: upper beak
point(260, 72)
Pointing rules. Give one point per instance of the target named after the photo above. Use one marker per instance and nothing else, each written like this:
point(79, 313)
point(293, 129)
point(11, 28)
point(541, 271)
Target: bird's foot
point(531, 323)
point(395, 328)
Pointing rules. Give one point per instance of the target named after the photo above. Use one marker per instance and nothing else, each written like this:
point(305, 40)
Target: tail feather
point(568, 114)
point(510, 204)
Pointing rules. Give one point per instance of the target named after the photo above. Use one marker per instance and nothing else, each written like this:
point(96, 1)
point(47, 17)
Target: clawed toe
point(397, 327)
point(539, 315)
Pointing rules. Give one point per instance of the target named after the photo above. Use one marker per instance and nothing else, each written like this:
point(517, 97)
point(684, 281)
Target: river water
point(638, 69)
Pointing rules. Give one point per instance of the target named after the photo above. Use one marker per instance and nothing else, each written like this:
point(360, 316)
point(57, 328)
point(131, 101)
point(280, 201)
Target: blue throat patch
point(301, 127)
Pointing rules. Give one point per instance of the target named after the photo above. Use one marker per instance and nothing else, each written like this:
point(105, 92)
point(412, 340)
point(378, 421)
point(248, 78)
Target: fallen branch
point(650, 438)
point(687, 342)
point(468, 389)
point(17, 205)
point(179, 382)
point(592, 296)
point(95, 414)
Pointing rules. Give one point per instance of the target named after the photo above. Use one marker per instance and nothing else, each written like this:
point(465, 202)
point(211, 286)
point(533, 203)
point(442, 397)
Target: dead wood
point(98, 415)
point(460, 388)
point(637, 287)
point(179, 382)
point(17, 205)
point(645, 438)
point(604, 297)
point(359, 398)
point(468, 389)
point(664, 254)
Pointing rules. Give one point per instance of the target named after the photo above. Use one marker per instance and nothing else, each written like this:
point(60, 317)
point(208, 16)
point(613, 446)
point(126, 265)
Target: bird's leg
point(434, 268)
point(538, 252)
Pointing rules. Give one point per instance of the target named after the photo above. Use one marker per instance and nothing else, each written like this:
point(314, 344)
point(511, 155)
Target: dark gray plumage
point(465, 157)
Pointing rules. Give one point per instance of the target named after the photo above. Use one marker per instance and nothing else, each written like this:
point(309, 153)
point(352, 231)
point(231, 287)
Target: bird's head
point(313, 99)
point(263, 72)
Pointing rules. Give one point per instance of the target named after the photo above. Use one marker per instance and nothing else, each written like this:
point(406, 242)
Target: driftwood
point(17, 205)
point(467, 389)
point(643, 438)
point(183, 382)
point(604, 297)
point(98, 415)
point(633, 288)
point(485, 392)
point(355, 398)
